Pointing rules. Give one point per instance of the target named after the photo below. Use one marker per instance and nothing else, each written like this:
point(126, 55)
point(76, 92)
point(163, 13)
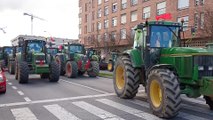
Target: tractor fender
point(162, 66)
point(135, 56)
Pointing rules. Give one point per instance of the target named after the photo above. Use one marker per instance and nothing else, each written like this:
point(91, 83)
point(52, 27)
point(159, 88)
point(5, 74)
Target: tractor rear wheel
point(23, 72)
point(163, 93)
point(126, 79)
point(209, 101)
point(59, 61)
point(44, 76)
point(54, 72)
point(71, 69)
point(94, 69)
point(110, 66)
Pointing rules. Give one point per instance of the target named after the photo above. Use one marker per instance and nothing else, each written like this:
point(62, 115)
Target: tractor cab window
point(140, 38)
point(52, 51)
point(76, 49)
point(35, 46)
point(164, 36)
point(8, 50)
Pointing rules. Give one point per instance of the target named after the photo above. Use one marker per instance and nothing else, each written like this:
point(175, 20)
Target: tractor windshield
point(35, 46)
point(164, 36)
point(8, 50)
point(76, 49)
point(52, 51)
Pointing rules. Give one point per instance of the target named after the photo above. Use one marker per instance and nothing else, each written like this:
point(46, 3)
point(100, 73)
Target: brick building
point(107, 24)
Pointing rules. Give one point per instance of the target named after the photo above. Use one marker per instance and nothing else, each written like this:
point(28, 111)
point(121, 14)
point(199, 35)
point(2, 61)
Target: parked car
point(2, 81)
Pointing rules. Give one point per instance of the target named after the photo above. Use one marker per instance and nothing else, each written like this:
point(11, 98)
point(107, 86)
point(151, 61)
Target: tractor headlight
point(200, 68)
point(210, 68)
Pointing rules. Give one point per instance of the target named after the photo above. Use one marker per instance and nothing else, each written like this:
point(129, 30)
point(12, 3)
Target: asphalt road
point(83, 98)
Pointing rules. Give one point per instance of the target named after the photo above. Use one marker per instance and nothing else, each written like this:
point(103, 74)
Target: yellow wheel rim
point(120, 82)
point(109, 66)
point(155, 93)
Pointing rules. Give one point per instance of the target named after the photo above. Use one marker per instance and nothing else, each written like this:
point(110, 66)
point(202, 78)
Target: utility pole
point(32, 17)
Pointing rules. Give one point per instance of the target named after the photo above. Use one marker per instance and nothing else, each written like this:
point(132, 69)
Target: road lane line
point(60, 112)
point(9, 83)
point(181, 114)
point(97, 111)
point(130, 110)
point(14, 87)
point(27, 99)
point(55, 100)
point(77, 84)
point(20, 93)
point(23, 114)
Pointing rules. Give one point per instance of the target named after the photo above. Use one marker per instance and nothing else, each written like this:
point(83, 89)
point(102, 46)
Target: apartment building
point(107, 24)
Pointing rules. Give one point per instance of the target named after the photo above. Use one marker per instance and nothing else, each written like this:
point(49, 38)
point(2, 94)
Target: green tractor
point(74, 61)
point(164, 68)
point(33, 60)
point(4, 54)
point(11, 59)
point(112, 60)
point(51, 53)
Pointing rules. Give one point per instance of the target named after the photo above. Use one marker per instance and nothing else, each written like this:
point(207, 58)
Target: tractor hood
point(177, 51)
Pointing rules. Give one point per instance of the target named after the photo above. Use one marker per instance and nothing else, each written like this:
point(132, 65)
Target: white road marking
point(23, 114)
point(55, 100)
point(60, 112)
point(181, 114)
point(97, 111)
point(27, 99)
point(77, 84)
point(20, 93)
point(129, 110)
point(14, 87)
point(9, 83)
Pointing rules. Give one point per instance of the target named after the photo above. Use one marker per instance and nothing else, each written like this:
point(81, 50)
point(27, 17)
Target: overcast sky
point(61, 18)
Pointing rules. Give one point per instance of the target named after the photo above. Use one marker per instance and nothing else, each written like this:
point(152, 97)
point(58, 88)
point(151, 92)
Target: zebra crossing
point(93, 108)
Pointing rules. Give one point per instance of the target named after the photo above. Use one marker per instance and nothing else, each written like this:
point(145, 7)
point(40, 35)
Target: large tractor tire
point(59, 61)
point(163, 93)
point(44, 76)
point(23, 72)
point(126, 79)
point(209, 101)
point(94, 69)
point(54, 72)
point(71, 69)
point(110, 66)
point(11, 67)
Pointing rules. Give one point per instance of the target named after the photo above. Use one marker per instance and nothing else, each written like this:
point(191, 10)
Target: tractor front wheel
point(59, 61)
point(209, 101)
point(54, 72)
point(110, 66)
point(94, 69)
point(163, 93)
point(126, 79)
point(71, 69)
point(23, 72)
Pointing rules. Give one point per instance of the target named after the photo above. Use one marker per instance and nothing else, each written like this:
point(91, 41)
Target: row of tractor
point(32, 56)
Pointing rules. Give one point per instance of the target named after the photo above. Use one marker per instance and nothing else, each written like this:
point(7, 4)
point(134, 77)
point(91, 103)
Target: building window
point(145, 0)
point(186, 22)
point(85, 29)
point(79, 30)
point(123, 33)
point(114, 21)
point(197, 2)
point(202, 2)
point(106, 10)
point(134, 2)
point(99, 13)
point(93, 27)
point(134, 16)
point(202, 20)
point(106, 0)
point(161, 8)
point(80, 20)
point(99, 25)
point(80, 9)
point(114, 7)
point(99, 38)
point(146, 12)
point(182, 4)
point(106, 24)
point(123, 18)
point(86, 18)
point(196, 20)
point(93, 15)
point(123, 4)
point(113, 35)
point(99, 2)
point(105, 36)
point(86, 7)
